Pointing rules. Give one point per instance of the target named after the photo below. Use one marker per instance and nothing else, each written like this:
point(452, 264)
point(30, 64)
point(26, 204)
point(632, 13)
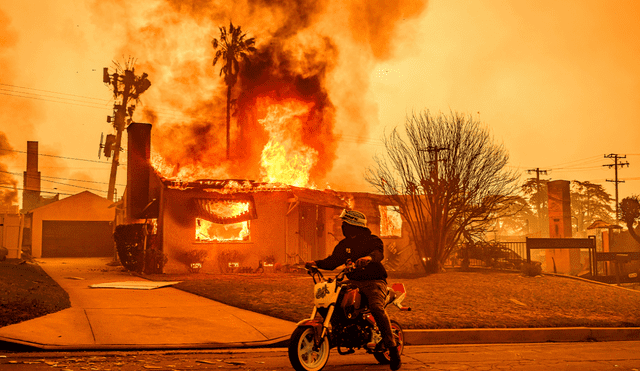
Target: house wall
point(84, 206)
point(178, 218)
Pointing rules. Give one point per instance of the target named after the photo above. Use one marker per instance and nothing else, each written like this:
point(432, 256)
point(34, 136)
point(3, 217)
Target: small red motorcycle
point(341, 319)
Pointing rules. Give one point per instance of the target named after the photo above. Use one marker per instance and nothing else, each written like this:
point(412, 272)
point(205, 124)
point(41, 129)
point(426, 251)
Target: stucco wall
point(84, 206)
point(267, 232)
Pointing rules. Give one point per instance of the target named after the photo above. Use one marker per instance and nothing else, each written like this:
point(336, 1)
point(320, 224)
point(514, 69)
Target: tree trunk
point(228, 119)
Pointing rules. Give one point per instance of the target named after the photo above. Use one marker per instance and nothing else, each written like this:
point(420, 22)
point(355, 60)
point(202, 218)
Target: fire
point(184, 173)
point(210, 231)
point(390, 221)
point(285, 158)
point(207, 231)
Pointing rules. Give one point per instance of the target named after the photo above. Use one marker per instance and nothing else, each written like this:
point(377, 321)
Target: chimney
point(138, 168)
point(31, 193)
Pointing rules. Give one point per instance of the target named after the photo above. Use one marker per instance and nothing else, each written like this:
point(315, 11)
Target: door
point(64, 238)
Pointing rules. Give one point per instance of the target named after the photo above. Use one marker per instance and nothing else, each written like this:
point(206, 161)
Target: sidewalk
point(168, 318)
point(163, 318)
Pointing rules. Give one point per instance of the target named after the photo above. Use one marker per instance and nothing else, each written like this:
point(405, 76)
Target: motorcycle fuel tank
point(351, 302)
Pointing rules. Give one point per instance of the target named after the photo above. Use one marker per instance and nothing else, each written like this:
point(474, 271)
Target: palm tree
point(231, 47)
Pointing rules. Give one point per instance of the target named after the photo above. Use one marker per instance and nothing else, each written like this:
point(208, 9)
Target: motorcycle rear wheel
point(398, 334)
point(302, 355)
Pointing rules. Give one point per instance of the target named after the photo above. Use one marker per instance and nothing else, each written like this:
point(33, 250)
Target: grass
point(450, 300)
point(454, 299)
point(27, 292)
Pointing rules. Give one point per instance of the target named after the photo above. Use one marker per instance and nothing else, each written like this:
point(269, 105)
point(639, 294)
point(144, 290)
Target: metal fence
point(516, 254)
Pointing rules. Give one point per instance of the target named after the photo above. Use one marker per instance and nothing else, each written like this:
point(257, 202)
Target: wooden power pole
point(128, 86)
point(616, 165)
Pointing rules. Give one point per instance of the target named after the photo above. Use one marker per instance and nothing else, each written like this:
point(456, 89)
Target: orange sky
point(557, 82)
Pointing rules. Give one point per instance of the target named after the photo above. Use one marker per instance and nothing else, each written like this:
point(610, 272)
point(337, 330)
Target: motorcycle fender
point(317, 326)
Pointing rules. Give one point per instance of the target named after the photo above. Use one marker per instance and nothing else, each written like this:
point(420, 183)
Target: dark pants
point(375, 291)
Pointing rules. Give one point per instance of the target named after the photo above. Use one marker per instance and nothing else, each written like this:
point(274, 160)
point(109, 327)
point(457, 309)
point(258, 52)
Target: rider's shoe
point(394, 357)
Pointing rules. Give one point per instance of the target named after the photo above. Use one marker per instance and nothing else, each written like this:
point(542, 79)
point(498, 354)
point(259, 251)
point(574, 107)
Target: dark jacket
point(364, 244)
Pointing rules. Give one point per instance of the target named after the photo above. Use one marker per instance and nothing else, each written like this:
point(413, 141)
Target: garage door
point(63, 238)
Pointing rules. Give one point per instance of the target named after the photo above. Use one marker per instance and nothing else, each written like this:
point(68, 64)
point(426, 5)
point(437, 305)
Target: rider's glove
point(362, 262)
point(309, 265)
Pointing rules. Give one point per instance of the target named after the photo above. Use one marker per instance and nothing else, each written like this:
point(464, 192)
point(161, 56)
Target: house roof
point(602, 224)
point(72, 200)
point(326, 198)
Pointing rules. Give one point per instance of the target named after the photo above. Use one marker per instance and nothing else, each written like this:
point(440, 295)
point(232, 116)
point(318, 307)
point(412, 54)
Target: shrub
point(531, 269)
point(229, 256)
point(129, 239)
point(134, 255)
point(192, 259)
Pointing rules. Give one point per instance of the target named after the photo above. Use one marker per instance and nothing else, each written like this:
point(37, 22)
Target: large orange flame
point(285, 158)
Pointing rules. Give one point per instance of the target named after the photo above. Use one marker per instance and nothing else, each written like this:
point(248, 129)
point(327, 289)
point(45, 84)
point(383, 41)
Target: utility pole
point(129, 87)
point(615, 165)
point(538, 172)
point(120, 124)
point(436, 151)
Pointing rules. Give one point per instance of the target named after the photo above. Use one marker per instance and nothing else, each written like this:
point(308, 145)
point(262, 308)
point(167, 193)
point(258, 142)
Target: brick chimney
point(31, 193)
point(138, 168)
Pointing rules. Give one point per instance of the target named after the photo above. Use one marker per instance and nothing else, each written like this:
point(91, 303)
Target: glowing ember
point(390, 222)
point(285, 159)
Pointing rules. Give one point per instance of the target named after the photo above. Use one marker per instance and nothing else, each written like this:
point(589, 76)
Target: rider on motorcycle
point(367, 250)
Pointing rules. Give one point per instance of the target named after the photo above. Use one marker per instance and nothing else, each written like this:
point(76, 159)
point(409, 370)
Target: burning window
point(390, 221)
point(224, 219)
point(207, 231)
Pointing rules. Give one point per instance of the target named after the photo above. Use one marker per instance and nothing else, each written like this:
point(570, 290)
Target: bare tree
point(449, 179)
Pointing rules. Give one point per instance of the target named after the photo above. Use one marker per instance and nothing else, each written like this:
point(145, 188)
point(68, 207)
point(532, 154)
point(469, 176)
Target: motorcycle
point(341, 319)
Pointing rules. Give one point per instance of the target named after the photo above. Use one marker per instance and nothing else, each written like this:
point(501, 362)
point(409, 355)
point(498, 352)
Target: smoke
point(320, 53)
point(8, 184)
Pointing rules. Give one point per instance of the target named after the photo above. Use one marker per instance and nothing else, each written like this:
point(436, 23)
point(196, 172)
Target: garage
point(64, 238)
point(76, 226)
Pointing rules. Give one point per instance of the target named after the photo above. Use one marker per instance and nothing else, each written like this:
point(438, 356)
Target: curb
point(412, 337)
point(522, 335)
point(27, 346)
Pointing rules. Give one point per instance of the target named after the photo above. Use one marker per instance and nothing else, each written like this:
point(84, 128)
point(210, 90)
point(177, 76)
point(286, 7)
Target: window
point(207, 231)
point(224, 219)
point(390, 221)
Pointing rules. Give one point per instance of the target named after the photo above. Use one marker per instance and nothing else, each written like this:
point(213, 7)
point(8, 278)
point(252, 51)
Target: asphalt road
point(583, 356)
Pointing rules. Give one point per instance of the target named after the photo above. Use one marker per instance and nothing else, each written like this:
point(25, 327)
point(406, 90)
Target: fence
point(508, 255)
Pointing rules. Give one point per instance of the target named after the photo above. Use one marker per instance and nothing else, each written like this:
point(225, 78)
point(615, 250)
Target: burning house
point(230, 225)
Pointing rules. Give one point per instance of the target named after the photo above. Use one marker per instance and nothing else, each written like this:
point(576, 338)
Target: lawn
point(27, 292)
point(454, 299)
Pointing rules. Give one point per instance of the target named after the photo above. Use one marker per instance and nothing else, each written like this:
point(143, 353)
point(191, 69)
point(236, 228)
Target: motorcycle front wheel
point(303, 354)
point(383, 357)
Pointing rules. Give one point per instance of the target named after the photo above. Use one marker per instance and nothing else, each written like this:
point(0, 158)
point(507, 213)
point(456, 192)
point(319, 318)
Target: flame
point(209, 231)
point(186, 173)
point(285, 158)
point(212, 232)
point(390, 221)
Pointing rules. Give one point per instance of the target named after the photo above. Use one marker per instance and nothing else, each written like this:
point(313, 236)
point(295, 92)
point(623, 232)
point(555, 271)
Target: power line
point(63, 157)
point(41, 191)
point(51, 100)
point(54, 92)
point(58, 178)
